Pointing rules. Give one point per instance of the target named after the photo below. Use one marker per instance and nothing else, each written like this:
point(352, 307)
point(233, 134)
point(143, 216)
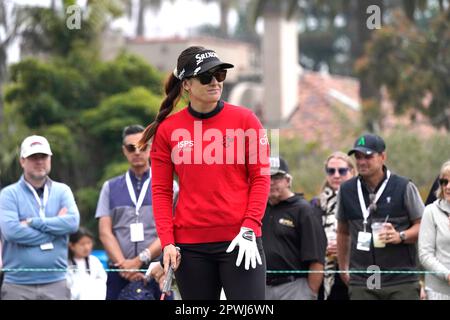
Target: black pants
point(404, 291)
point(206, 268)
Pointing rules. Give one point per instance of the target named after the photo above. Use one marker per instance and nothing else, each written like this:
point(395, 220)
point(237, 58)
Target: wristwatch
point(402, 235)
point(145, 256)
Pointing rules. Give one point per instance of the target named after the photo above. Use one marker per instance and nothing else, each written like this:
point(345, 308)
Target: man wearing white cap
point(37, 215)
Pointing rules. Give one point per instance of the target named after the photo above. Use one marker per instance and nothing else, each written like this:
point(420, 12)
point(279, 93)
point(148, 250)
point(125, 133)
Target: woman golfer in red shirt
point(220, 154)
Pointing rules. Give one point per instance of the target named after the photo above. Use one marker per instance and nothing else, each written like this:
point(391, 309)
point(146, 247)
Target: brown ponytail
point(173, 89)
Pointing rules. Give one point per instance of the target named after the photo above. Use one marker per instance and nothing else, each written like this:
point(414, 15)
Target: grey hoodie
point(434, 245)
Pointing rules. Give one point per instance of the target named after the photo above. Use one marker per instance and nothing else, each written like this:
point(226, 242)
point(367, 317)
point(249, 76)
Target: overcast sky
point(177, 18)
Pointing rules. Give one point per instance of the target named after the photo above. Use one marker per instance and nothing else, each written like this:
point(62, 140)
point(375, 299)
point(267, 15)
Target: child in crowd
point(86, 277)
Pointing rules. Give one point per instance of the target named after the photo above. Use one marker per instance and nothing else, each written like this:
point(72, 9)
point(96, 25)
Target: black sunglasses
point(206, 78)
point(443, 182)
point(132, 148)
point(332, 171)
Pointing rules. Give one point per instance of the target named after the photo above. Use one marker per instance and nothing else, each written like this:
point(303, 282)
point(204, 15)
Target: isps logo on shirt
point(185, 145)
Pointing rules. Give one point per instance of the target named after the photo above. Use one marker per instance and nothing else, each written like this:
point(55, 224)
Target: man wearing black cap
point(377, 195)
point(293, 240)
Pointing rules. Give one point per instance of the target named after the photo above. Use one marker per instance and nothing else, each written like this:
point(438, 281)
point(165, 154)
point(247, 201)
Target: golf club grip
point(168, 281)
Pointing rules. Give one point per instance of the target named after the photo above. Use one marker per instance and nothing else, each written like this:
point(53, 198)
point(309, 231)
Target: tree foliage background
point(414, 64)
point(80, 103)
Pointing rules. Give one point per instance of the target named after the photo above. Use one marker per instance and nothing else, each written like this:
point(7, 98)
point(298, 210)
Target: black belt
point(276, 281)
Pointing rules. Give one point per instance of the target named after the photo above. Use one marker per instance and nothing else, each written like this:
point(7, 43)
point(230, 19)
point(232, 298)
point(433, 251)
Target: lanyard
point(42, 203)
point(142, 193)
point(362, 203)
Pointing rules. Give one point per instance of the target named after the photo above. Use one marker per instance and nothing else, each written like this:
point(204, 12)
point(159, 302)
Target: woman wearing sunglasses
point(338, 169)
point(434, 240)
point(224, 183)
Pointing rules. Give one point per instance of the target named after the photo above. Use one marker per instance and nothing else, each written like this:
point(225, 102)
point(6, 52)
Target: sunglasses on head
point(132, 148)
point(443, 182)
point(206, 78)
point(341, 171)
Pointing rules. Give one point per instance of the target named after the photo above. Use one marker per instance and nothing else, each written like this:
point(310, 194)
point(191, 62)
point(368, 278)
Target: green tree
point(77, 101)
point(125, 72)
point(414, 66)
point(84, 109)
point(11, 19)
point(46, 30)
point(104, 123)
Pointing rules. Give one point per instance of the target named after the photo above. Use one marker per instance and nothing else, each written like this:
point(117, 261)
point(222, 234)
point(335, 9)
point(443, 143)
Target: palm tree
point(225, 7)
point(142, 7)
point(154, 5)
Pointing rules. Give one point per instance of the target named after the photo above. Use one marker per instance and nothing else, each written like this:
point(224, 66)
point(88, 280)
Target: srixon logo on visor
point(202, 56)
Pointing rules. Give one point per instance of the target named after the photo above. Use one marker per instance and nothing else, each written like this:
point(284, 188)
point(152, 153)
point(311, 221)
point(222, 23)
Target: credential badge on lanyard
point(362, 203)
point(42, 204)
point(137, 228)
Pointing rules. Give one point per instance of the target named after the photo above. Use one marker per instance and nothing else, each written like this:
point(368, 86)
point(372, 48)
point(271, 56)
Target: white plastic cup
point(377, 228)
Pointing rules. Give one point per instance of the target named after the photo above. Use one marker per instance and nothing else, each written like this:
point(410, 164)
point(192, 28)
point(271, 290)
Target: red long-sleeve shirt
point(223, 170)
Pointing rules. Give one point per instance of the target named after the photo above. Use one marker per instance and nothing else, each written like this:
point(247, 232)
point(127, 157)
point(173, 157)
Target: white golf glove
point(246, 240)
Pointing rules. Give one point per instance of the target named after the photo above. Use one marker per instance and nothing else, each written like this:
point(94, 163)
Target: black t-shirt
point(292, 235)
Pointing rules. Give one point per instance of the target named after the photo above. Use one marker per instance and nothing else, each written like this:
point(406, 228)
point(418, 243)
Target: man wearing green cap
point(378, 195)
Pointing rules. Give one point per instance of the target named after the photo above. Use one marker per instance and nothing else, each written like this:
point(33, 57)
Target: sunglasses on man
point(206, 78)
point(443, 182)
point(342, 171)
point(132, 148)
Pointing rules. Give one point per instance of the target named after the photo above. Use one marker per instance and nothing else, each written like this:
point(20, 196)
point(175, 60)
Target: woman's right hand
point(171, 257)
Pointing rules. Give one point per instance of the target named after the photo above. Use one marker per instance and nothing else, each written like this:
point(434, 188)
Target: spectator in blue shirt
point(37, 216)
